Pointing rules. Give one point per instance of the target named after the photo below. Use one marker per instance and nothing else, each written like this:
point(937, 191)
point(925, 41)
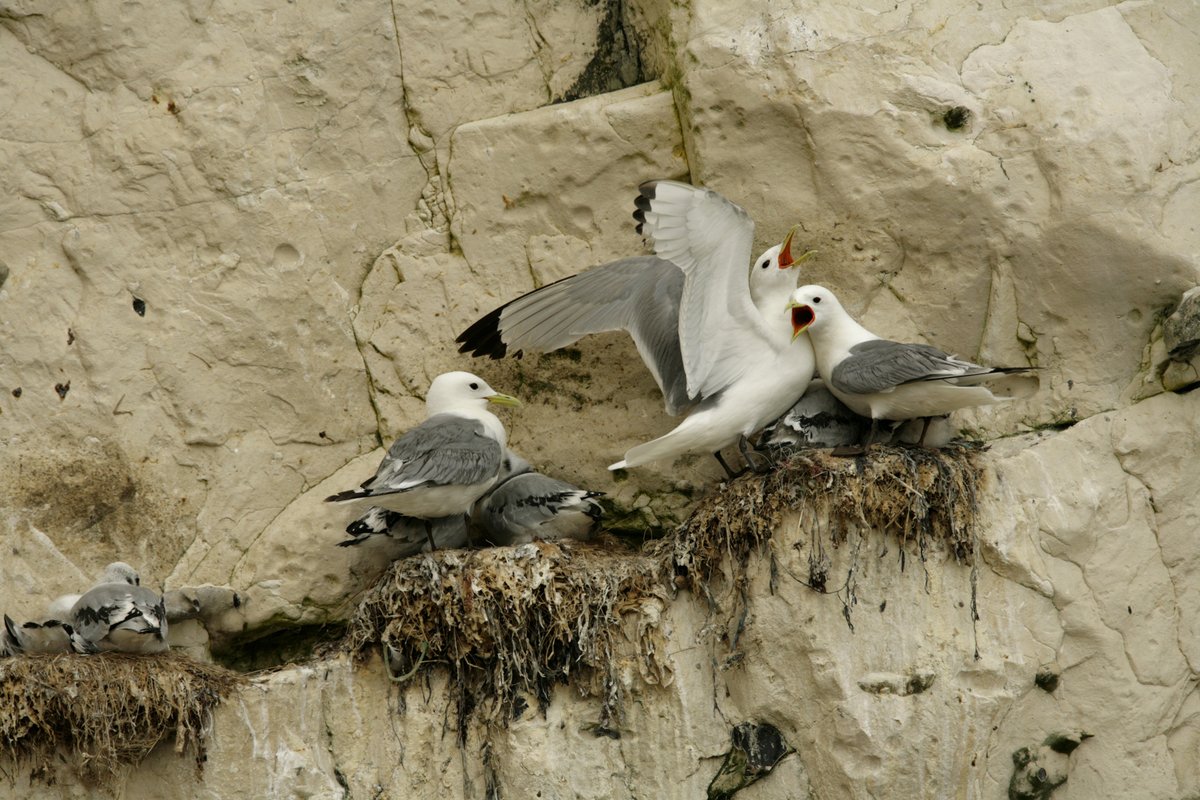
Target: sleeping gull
point(526, 505)
point(700, 321)
point(119, 616)
point(116, 572)
point(816, 420)
point(888, 380)
point(442, 466)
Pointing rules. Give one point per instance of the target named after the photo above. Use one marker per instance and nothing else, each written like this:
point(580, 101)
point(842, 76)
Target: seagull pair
point(715, 336)
point(116, 614)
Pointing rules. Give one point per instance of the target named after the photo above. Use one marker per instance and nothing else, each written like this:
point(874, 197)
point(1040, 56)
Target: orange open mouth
point(802, 317)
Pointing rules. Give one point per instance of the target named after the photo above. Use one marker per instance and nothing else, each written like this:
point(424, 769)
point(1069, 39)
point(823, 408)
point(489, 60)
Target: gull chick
point(887, 380)
point(526, 505)
point(120, 616)
point(442, 466)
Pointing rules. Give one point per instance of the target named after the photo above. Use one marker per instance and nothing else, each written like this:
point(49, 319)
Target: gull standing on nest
point(441, 467)
point(701, 321)
point(882, 379)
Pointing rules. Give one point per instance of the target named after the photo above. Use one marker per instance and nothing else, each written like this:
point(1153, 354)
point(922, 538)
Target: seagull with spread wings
point(712, 332)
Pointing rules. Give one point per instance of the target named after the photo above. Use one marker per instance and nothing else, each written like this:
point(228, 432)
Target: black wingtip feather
point(10, 626)
point(647, 188)
point(483, 337)
point(643, 204)
point(348, 495)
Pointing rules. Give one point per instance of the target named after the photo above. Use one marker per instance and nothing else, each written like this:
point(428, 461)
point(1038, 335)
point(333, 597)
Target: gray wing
point(444, 450)
point(709, 239)
point(881, 365)
point(532, 504)
point(109, 605)
point(638, 295)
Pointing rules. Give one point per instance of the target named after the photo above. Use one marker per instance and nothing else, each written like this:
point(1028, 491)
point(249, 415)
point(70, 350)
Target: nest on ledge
point(106, 711)
point(511, 622)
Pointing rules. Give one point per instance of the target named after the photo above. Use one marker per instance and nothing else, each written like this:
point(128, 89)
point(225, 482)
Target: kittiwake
point(442, 466)
point(700, 321)
point(119, 616)
point(887, 380)
point(527, 505)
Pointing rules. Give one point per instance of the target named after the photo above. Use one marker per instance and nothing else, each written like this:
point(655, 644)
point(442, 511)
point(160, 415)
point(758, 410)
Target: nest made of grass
point(107, 710)
point(917, 495)
point(511, 622)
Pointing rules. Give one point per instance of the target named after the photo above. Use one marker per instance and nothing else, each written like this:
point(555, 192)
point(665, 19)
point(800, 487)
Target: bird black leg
point(858, 449)
point(924, 430)
point(429, 535)
point(756, 461)
point(724, 466)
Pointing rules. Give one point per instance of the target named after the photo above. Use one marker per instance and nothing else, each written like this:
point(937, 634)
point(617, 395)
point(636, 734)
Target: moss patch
point(106, 710)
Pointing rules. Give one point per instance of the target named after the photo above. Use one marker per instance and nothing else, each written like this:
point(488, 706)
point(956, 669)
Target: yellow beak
point(503, 400)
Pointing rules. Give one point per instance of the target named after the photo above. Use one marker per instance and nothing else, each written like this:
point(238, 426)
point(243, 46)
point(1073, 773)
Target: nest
point(917, 495)
point(107, 710)
point(512, 622)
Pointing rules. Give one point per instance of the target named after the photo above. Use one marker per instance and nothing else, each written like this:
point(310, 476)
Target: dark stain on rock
point(139, 306)
point(70, 337)
point(957, 118)
point(62, 389)
point(93, 503)
point(17, 392)
point(617, 63)
point(174, 109)
point(3, 273)
point(1046, 679)
point(757, 747)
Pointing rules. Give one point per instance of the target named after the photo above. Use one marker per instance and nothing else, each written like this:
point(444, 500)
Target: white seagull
point(120, 616)
point(708, 329)
point(887, 380)
point(442, 466)
point(526, 505)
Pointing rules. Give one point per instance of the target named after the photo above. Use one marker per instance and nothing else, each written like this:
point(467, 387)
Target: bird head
point(462, 389)
point(811, 306)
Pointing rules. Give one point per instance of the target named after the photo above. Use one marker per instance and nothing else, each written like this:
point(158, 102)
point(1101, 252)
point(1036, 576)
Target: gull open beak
point(802, 317)
point(503, 400)
point(786, 261)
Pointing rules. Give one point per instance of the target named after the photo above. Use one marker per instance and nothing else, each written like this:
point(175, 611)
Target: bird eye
point(816, 299)
point(474, 385)
point(766, 264)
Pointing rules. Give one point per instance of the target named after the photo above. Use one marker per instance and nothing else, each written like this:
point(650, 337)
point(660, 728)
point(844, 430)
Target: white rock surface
point(237, 242)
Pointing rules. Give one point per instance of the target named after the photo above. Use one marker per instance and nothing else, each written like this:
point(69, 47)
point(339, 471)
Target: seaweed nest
point(108, 710)
point(512, 622)
point(922, 496)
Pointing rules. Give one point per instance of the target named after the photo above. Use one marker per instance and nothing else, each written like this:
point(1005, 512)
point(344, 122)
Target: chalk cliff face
point(237, 242)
